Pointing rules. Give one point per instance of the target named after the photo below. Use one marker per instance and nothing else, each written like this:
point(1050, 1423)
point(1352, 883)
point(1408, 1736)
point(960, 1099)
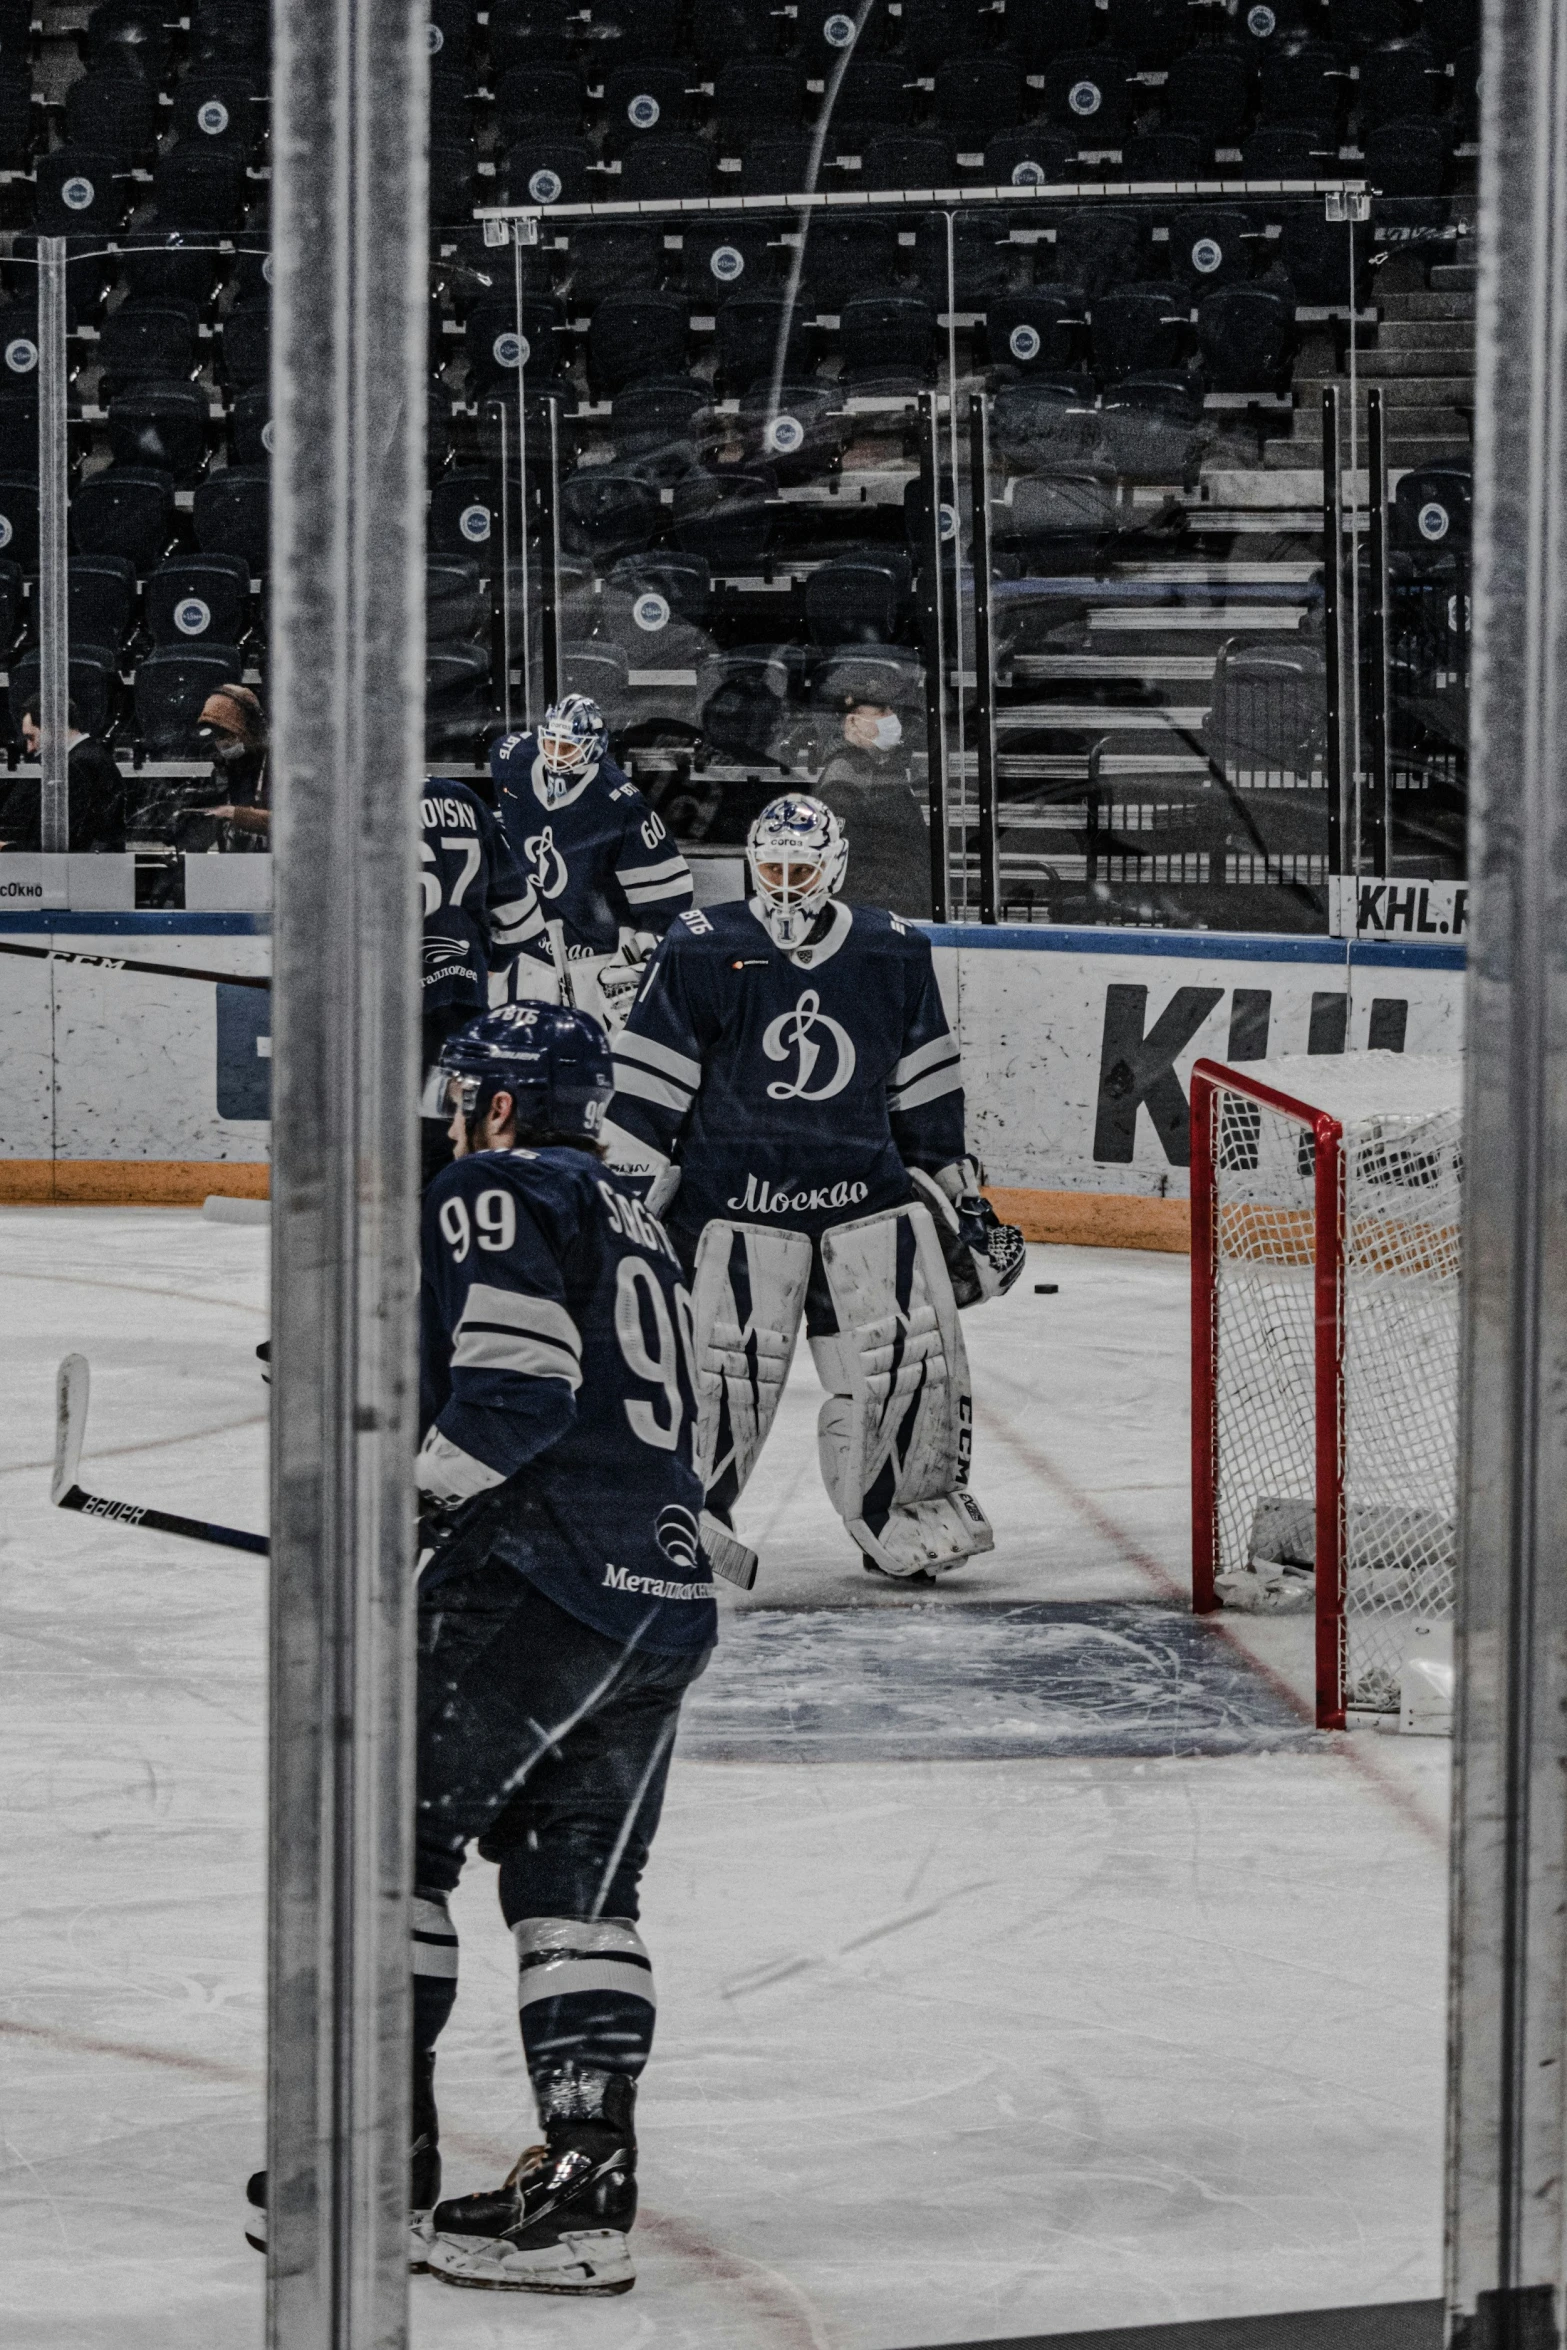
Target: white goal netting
point(1396, 1395)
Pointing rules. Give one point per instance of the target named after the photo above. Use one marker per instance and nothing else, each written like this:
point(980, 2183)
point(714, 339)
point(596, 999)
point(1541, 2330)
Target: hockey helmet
point(797, 854)
point(554, 1063)
point(572, 734)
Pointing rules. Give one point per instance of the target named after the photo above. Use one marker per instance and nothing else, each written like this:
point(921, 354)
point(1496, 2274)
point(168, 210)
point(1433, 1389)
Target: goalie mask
point(797, 855)
point(571, 739)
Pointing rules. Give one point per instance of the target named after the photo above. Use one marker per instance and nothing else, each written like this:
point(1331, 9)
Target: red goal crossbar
point(1209, 1080)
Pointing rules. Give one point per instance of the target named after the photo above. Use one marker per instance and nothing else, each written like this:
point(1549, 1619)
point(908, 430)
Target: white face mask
point(889, 733)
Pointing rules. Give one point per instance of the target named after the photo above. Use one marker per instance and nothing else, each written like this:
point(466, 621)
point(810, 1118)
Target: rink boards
point(121, 1085)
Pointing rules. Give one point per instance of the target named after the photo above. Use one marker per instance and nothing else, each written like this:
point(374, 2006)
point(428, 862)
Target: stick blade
point(71, 1387)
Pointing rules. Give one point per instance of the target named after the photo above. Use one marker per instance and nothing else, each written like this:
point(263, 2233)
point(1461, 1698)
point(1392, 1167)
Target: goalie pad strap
point(747, 1300)
point(900, 1469)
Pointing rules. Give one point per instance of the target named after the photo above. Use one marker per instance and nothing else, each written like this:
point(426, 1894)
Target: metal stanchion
point(549, 599)
point(1379, 829)
point(984, 658)
point(54, 603)
point(1507, 2140)
point(935, 634)
point(348, 357)
point(1341, 852)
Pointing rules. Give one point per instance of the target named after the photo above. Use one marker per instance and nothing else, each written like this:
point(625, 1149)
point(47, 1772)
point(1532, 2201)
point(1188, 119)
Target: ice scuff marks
point(950, 1682)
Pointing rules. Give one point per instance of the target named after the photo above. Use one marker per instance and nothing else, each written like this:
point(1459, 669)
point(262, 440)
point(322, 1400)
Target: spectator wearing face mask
point(95, 785)
point(232, 727)
point(866, 781)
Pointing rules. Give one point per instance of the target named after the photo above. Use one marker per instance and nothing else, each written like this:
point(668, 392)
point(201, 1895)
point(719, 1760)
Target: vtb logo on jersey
point(797, 1032)
point(545, 863)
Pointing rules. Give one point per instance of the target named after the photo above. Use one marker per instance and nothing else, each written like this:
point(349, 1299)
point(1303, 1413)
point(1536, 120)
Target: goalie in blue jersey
point(788, 1080)
point(608, 877)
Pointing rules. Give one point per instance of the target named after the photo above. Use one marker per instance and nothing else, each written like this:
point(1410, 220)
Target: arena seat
point(751, 328)
point(163, 425)
point(1041, 31)
point(1032, 157)
point(148, 338)
point(685, 581)
point(725, 515)
point(101, 592)
point(79, 191)
point(643, 98)
point(1152, 33)
point(125, 510)
point(200, 190)
point(1045, 424)
point(250, 428)
point(606, 256)
point(169, 266)
point(775, 165)
point(1165, 155)
point(19, 518)
point(222, 111)
point(754, 95)
point(202, 598)
point(1099, 246)
point(546, 168)
point(494, 350)
point(1037, 330)
point(1211, 245)
point(975, 96)
point(801, 434)
point(1087, 91)
point(1209, 93)
point(908, 159)
point(730, 28)
point(92, 678)
point(247, 345)
point(132, 35)
point(112, 112)
point(1408, 158)
point(545, 94)
point(172, 683)
point(636, 334)
point(456, 599)
point(607, 509)
point(521, 30)
point(1138, 330)
point(857, 599)
point(233, 513)
point(1245, 335)
point(662, 167)
point(1151, 428)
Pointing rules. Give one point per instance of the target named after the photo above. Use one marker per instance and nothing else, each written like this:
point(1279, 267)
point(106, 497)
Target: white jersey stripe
point(658, 1056)
point(516, 1310)
point(948, 1079)
point(940, 1048)
point(649, 1088)
point(478, 1349)
point(558, 1978)
point(668, 869)
point(655, 893)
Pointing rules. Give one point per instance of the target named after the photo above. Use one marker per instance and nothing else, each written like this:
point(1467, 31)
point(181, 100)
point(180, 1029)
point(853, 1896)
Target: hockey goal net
point(1326, 1214)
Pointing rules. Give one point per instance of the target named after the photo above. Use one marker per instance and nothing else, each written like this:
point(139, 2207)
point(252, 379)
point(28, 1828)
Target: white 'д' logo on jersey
point(793, 1032)
point(546, 863)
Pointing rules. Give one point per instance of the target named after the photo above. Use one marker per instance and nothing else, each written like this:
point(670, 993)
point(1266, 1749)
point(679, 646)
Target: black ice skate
point(560, 2222)
point(424, 2192)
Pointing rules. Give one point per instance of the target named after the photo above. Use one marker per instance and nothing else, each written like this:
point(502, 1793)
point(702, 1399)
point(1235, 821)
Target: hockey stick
point(70, 1427)
point(126, 963)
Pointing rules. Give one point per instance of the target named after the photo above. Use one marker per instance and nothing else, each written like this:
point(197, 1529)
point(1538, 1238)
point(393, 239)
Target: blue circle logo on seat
point(947, 521)
point(642, 112)
point(21, 356)
point(266, 436)
point(6, 533)
point(838, 31)
point(1261, 23)
point(1028, 175)
point(511, 349)
point(545, 187)
point(726, 264)
point(786, 434)
point(1085, 97)
point(474, 523)
point(1023, 343)
point(192, 617)
point(436, 39)
point(1207, 256)
point(266, 269)
point(650, 612)
point(212, 116)
point(1434, 520)
point(77, 193)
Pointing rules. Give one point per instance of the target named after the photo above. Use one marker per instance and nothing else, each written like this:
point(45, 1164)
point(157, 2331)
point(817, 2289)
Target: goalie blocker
point(895, 1431)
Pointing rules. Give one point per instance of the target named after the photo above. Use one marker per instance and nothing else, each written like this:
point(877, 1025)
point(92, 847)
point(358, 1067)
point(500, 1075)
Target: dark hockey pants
point(549, 1743)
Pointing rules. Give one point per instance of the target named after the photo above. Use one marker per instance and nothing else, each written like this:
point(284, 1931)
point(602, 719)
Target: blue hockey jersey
point(480, 910)
point(791, 1089)
point(596, 853)
point(555, 1332)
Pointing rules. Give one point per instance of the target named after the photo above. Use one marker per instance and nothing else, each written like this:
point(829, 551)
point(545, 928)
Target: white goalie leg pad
point(747, 1300)
point(897, 1462)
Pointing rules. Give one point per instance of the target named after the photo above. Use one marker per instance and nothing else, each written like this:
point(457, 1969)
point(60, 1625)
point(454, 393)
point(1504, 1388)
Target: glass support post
point(984, 659)
point(54, 603)
point(935, 634)
point(349, 370)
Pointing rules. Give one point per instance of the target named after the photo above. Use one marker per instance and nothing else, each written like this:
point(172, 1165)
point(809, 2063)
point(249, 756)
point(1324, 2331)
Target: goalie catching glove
point(983, 1256)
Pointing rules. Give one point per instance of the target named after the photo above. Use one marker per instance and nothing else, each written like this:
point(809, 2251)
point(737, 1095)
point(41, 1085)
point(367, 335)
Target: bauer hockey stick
point(72, 1383)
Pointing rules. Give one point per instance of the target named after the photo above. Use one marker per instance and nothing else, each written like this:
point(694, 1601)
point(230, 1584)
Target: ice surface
point(946, 2047)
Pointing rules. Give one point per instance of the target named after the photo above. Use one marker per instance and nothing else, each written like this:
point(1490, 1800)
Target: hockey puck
point(1047, 1288)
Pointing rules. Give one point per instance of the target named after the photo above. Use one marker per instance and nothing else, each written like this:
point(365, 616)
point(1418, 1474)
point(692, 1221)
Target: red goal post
point(1325, 1240)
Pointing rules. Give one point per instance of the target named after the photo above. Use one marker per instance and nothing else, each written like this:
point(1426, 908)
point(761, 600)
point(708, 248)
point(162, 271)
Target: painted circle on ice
point(21, 356)
point(726, 264)
point(436, 39)
point(192, 617)
point(651, 612)
point(786, 434)
point(545, 187)
point(1207, 256)
point(1433, 520)
point(267, 436)
point(1261, 23)
point(1085, 97)
point(212, 116)
point(642, 112)
point(474, 523)
point(77, 193)
point(511, 349)
point(1028, 175)
point(1023, 343)
point(838, 31)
